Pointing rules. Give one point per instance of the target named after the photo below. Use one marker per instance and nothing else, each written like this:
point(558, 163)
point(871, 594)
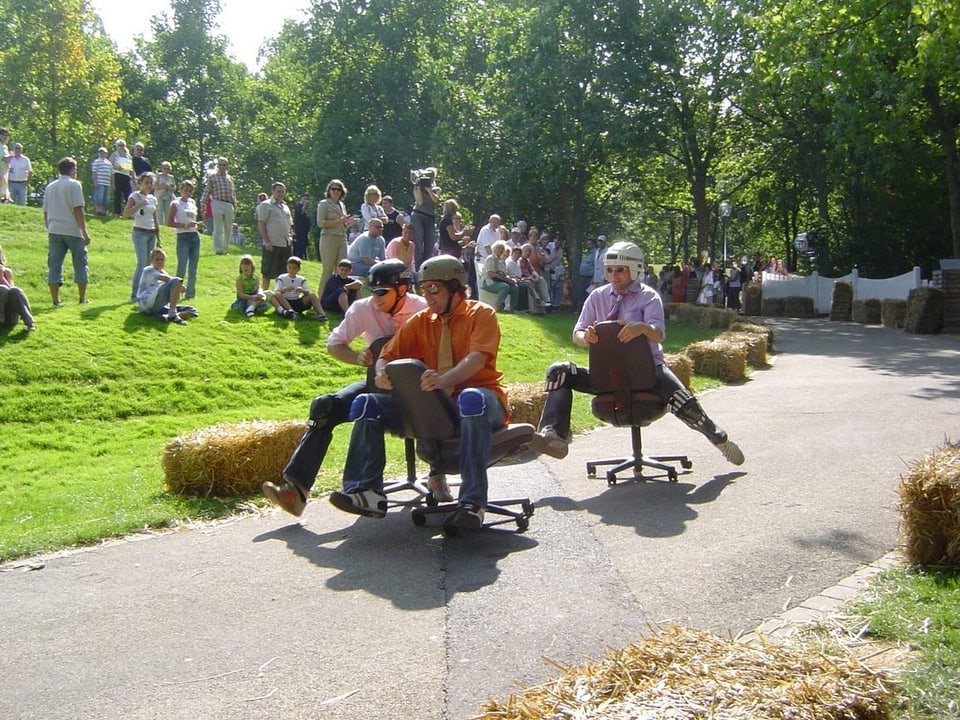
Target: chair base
point(501, 509)
point(658, 463)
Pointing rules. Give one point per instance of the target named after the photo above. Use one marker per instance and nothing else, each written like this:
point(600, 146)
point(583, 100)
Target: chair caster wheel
point(523, 524)
point(419, 518)
point(672, 476)
point(450, 530)
point(611, 480)
point(686, 464)
point(591, 470)
point(430, 500)
point(528, 508)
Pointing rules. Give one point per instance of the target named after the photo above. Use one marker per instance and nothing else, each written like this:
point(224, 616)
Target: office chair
point(622, 378)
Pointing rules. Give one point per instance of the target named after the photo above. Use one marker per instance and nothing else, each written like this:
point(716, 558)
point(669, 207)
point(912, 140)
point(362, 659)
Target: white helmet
point(625, 254)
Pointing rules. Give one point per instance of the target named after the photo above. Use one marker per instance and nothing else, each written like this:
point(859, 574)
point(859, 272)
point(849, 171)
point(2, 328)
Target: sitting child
point(341, 289)
point(159, 292)
point(236, 237)
point(249, 298)
point(291, 296)
point(13, 301)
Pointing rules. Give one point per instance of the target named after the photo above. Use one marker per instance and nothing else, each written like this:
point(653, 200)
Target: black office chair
point(432, 417)
point(622, 378)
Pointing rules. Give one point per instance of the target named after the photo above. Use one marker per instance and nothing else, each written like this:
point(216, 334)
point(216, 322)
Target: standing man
point(377, 316)
point(20, 173)
point(122, 176)
point(458, 340)
point(588, 264)
point(639, 310)
point(4, 157)
point(598, 253)
point(426, 197)
point(101, 169)
point(302, 220)
point(66, 230)
point(486, 237)
point(140, 163)
point(224, 205)
point(274, 222)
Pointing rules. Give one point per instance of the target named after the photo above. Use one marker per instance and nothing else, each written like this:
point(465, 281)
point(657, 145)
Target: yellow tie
point(445, 351)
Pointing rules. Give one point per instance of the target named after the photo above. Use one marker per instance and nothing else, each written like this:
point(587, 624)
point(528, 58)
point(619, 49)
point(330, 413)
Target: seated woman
point(530, 274)
point(13, 301)
point(159, 292)
point(341, 289)
point(495, 278)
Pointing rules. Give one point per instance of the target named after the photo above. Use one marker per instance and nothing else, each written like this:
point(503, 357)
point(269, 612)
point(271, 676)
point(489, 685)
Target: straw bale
point(930, 509)
point(688, 313)
point(716, 317)
point(683, 673)
point(755, 327)
point(841, 305)
point(925, 310)
point(681, 365)
point(229, 459)
point(773, 307)
point(755, 345)
point(753, 299)
point(798, 307)
point(526, 401)
point(893, 312)
point(866, 312)
point(719, 358)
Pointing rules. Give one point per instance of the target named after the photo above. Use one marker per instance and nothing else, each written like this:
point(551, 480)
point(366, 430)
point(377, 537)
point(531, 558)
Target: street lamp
point(725, 211)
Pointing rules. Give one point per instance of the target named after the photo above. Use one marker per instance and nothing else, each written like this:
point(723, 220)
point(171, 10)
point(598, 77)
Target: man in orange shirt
point(469, 374)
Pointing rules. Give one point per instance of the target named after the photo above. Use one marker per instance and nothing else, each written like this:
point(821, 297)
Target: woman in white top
point(142, 207)
point(182, 217)
point(371, 207)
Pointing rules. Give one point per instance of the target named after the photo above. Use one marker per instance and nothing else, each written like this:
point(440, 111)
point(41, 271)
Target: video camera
point(423, 177)
point(806, 243)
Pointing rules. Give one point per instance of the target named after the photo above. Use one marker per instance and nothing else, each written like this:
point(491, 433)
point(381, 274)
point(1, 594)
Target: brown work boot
point(287, 496)
point(549, 442)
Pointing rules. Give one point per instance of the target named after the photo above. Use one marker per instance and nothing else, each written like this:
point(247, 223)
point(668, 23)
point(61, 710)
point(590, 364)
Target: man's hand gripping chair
point(622, 378)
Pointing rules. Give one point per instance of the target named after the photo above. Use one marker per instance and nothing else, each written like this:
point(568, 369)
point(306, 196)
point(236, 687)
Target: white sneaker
point(731, 451)
point(437, 485)
point(369, 503)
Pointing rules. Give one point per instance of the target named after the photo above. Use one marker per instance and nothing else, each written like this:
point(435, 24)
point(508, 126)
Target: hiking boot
point(731, 451)
point(369, 503)
point(287, 496)
point(468, 517)
point(437, 485)
point(549, 442)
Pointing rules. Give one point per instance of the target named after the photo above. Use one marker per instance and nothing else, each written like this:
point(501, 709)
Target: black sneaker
point(369, 503)
point(468, 517)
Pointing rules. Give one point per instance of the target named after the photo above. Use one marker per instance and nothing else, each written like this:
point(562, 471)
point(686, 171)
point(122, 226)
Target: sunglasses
point(618, 269)
point(336, 189)
point(432, 288)
point(380, 292)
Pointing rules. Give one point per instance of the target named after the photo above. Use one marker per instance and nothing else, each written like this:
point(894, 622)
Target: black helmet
point(389, 273)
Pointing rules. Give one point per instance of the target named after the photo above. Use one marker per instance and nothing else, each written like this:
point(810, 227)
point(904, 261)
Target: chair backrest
point(375, 347)
point(426, 415)
point(622, 377)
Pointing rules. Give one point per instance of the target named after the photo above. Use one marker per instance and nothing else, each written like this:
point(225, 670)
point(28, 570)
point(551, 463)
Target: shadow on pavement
point(653, 509)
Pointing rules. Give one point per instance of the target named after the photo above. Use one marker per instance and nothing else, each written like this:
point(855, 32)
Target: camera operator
point(426, 195)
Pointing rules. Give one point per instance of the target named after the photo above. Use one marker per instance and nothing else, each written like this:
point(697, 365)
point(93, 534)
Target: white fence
point(821, 288)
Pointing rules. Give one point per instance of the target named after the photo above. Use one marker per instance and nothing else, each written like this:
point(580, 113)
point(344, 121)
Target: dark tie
point(614, 313)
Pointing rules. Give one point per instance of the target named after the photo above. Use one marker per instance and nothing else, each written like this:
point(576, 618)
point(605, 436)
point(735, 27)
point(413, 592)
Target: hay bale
point(841, 304)
point(773, 307)
point(690, 674)
point(893, 312)
point(716, 317)
point(755, 345)
point(925, 310)
point(866, 312)
point(930, 509)
point(798, 307)
point(526, 401)
point(229, 459)
point(681, 365)
point(753, 299)
point(719, 358)
point(751, 327)
point(688, 313)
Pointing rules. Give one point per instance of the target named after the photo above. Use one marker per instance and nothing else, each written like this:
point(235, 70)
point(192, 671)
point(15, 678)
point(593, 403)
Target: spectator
point(528, 292)
point(20, 171)
point(223, 205)
point(734, 283)
point(142, 208)
point(13, 301)
point(159, 292)
point(250, 299)
point(236, 237)
point(4, 170)
point(301, 226)
point(393, 225)
point(182, 217)
point(426, 195)
point(368, 248)
point(452, 237)
point(291, 296)
point(639, 311)
point(458, 340)
point(532, 277)
point(122, 175)
point(402, 248)
point(486, 237)
point(275, 222)
point(332, 218)
point(495, 278)
point(164, 187)
point(370, 208)
point(708, 287)
point(66, 230)
point(140, 164)
point(371, 318)
point(588, 264)
point(340, 290)
point(101, 170)
point(598, 278)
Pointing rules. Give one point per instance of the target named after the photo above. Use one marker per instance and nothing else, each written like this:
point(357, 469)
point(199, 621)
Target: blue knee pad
point(471, 403)
point(365, 407)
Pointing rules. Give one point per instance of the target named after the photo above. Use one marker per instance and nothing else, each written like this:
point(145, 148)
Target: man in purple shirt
point(639, 310)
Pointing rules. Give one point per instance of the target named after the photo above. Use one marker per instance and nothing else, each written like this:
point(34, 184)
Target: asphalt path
point(333, 616)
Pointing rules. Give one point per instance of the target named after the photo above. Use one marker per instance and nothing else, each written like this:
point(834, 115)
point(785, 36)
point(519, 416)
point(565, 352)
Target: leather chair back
point(622, 378)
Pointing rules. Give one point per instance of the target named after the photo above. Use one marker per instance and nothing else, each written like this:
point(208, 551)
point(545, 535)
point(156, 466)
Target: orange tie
point(445, 351)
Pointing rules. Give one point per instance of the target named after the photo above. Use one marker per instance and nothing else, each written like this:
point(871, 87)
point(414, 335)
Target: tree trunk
point(948, 141)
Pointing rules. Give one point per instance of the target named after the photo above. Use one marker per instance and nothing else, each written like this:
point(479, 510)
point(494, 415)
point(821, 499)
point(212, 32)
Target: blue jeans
point(423, 240)
point(101, 195)
point(18, 192)
point(480, 414)
point(57, 247)
point(188, 255)
point(504, 291)
point(143, 242)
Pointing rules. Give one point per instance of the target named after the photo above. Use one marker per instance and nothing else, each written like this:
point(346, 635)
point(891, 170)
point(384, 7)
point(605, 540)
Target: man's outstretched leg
point(686, 407)
point(553, 433)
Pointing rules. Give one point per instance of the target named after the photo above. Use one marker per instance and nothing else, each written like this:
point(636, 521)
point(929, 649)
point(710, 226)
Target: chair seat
point(505, 441)
point(645, 408)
